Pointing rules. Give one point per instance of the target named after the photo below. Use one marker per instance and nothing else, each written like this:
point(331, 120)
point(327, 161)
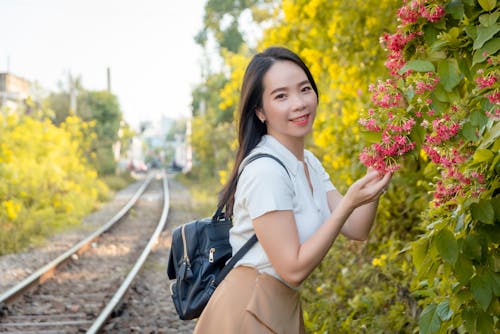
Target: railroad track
point(82, 295)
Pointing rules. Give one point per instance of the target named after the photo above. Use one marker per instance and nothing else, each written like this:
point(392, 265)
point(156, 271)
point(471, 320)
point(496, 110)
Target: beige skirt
point(247, 301)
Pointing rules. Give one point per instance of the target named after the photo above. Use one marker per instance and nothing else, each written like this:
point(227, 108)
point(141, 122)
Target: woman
point(296, 213)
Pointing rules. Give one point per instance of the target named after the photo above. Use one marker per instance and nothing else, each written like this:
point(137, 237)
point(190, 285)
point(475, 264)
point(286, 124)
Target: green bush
point(46, 183)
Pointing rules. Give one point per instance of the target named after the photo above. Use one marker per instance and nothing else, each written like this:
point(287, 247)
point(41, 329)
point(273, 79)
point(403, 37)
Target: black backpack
point(198, 256)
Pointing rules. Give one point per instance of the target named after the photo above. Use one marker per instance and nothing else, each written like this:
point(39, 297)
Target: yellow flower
point(379, 261)
point(12, 209)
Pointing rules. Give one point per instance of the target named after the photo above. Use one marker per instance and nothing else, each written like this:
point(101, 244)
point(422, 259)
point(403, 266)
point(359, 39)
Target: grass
point(117, 182)
point(203, 194)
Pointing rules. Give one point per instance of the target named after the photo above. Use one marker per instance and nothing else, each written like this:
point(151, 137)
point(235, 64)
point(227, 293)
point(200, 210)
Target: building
point(13, 90)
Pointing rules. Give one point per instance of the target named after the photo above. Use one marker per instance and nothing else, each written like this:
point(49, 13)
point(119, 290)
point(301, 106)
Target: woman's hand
point(367, 189)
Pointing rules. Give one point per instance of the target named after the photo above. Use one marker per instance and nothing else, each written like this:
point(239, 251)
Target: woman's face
point(288, 102)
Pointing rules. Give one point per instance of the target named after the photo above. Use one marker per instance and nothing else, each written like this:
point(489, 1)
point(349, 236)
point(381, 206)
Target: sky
point(148, 46)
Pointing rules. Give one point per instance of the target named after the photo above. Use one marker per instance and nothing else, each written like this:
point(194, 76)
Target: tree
point(102, 108)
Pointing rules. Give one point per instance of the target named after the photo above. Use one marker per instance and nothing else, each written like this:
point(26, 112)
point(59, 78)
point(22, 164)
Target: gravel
point(148, 307)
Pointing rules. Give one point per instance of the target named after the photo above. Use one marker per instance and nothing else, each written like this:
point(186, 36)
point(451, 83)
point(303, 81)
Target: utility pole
point(108, 72)
point(72, 94)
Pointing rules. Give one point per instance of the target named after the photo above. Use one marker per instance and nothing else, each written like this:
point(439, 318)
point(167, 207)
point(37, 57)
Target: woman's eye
point(280, 96)
point(306, 88)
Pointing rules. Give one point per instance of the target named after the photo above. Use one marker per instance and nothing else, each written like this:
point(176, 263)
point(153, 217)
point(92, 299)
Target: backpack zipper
point(211, 255)
point(184, 244)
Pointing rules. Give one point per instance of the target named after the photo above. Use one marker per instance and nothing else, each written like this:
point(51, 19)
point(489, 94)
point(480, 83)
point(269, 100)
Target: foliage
point(211, 129)
point(353, 291)
point(222, 21)
point(442, 106)
point(101, 108)
point(47, 182)
point(431, 263)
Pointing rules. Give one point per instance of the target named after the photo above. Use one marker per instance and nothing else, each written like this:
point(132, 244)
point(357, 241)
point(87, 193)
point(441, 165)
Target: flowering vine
point(442, 105)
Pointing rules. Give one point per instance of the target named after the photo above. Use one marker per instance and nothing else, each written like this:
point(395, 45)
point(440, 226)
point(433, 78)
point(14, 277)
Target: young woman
point(296, 213)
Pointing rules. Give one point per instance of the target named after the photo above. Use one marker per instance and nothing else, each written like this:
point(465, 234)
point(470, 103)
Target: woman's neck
point(293, 144)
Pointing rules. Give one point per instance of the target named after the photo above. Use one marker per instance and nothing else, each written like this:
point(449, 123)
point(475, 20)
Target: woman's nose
point(298, 103)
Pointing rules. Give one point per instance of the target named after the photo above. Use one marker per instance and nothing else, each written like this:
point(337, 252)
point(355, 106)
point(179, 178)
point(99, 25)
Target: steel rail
point(47, 270)
point(118, 296)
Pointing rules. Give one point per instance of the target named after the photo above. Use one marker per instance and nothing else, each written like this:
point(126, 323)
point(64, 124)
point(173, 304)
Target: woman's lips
point(302, 120)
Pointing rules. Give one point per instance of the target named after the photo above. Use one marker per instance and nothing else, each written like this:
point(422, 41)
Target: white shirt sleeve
point(265, 186)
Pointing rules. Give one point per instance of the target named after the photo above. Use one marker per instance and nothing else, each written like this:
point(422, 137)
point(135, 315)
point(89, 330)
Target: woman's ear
point(260, 114)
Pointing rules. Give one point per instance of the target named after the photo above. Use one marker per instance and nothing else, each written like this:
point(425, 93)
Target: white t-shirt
point(265, 186)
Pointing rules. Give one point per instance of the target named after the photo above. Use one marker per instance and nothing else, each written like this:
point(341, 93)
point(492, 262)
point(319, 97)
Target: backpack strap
point(250, 242)
point(219, 213)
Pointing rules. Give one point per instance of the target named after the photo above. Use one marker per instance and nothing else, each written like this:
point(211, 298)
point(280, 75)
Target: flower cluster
point(396, 43)
point(402, 110)
point(385, 94)
point(487, 80)
point(411, 11)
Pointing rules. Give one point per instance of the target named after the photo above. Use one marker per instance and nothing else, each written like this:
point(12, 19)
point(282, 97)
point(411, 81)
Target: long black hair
point(251, 129)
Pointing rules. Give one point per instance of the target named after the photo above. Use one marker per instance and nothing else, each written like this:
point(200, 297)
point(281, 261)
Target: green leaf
point(484, 34)
point(430, 34)
point(490, 136)
point(440, 107)
point(484, 323)
point(464, 64)
point(429, 321)
point(488, 5)
point(478, 118)
point(494, 281)
point(463, 269)
point(419, 252)
point(444, 311)
point(446, 245)
point(495, 202)
point(470, 316)
point(490, 48)
point(482, 154)
point(469, 132)
point(372, 137)
point(483, 211)
point(471, 31)
point(418, 66)
point(481, 291)
point(488, 20)
point(440, 94)
point(456, 9)
point(417, 135)
point(472, 247)
point(449, 73)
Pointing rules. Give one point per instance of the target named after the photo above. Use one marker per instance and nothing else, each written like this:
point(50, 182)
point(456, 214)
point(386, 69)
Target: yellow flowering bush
point(46, 182)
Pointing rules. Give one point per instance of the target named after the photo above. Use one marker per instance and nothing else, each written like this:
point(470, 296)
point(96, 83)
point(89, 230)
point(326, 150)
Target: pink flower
point(385, 94)
point(370, 124)
point(494, 97)
point(434, 14)
point(495, 114)
point(486, 81)
point(408, 125)
point(409, 13)
point(443, 129)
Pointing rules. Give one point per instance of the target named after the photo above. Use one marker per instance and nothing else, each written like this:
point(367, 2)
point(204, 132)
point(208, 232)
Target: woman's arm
point(277, 232)
point(359, 223)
